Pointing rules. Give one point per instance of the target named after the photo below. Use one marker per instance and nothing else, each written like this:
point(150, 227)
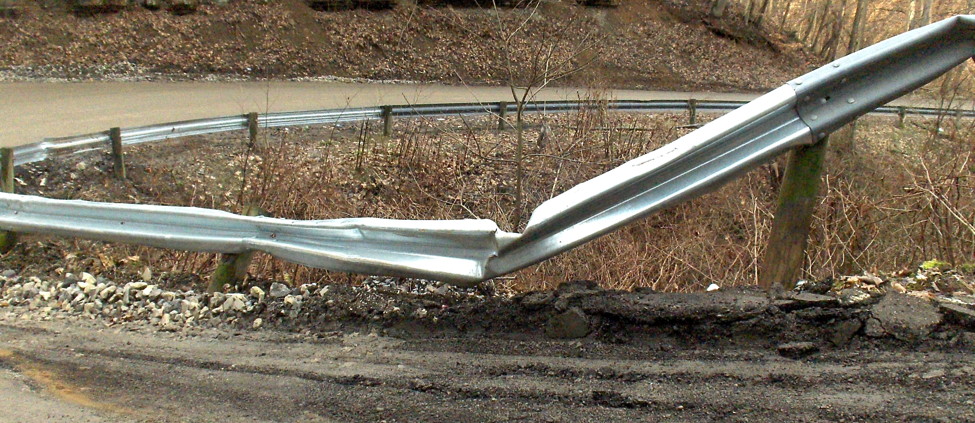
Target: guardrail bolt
point(901, 115)
point(787, 242)
point(115, 134)
point(692, 111)
point(387, 121)
point(502, 115)
point(252, 129)
point(233, 267)
point(7, 239)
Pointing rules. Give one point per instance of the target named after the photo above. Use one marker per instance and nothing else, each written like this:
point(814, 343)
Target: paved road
point(132, 374)
point(33, 111)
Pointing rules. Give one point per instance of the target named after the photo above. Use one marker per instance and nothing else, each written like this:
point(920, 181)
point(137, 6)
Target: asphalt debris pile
point(850, 312)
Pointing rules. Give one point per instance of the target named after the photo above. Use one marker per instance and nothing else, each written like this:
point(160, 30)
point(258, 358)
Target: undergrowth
point(891, 197)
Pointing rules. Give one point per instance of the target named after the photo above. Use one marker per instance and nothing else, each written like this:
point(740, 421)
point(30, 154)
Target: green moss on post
point(233, 267)
point(786, 248)
point(387, 121)
point(252, 128)
point(502, 115)
point(115, 135)
point(7, 239)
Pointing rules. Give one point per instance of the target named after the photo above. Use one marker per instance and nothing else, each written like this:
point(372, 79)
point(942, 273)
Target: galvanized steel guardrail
point(468, 251)
point(61, 147)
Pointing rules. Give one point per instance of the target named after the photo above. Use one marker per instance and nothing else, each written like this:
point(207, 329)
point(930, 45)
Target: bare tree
point(855, 36)
point(552, 59)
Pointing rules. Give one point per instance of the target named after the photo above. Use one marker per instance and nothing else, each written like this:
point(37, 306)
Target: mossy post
point(252, 129)
point(115, 134)
point(387, 121)
point(901, 115)
point(786, 247)
point(692, 111)
point(502, 115)
point(233, 267)
point(7, 239)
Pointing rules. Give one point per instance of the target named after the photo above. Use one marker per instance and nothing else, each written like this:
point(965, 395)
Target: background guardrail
point(797, 115)
point(60, 147)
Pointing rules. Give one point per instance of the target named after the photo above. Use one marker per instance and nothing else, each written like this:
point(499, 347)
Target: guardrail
point(465, 252)
point(66, 146)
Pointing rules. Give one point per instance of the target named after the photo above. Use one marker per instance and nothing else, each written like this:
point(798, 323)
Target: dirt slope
point(642, 44)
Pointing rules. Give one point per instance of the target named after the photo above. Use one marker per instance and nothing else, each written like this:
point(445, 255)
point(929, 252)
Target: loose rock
point(571, 324)
point(797, 350)
point(279, 290)
point(904, 317)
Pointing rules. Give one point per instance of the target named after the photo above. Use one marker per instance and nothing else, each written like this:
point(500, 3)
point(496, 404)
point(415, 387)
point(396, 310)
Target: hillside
point(649, 44)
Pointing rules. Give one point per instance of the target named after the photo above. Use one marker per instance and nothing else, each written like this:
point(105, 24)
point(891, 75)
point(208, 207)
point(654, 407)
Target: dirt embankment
point(641, 44)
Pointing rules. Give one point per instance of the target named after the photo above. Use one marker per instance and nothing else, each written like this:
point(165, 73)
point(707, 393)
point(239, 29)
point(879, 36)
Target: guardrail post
point(7, 239)
point(901, 115)
point(786, 247)
point(692, 111)
point(252, 128)
point(387, 121)
point(502, 115)
point(233, 267)
point(115, 134)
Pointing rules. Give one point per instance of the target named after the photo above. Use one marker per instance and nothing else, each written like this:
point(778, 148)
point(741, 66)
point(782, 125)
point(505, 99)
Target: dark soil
point(641, 44)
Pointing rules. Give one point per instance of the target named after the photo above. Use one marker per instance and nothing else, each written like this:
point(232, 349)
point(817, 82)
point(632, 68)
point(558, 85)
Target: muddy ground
point(578, 353)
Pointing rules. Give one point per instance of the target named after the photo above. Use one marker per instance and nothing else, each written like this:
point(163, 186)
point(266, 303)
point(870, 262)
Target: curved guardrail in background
point(60, 147)
point(468, 251)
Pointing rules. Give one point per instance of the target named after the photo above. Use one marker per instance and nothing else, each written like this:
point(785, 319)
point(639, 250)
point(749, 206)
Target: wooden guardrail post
point(7, 239)
point(252, 129)
point(233, 267)
point(692, 111)
point(502, 115)
point(115, 134)
point(387, 121)
point(786, 247)
point(901, 115)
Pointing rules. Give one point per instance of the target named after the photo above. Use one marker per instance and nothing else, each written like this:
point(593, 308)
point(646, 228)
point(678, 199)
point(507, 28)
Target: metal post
point(502, 115)
point(786, 247)
point(116, 136)
point(7, 239)
point(387, 121)
point(692, 111)
point(901, 115)
point(233, 267)
point(252, 128)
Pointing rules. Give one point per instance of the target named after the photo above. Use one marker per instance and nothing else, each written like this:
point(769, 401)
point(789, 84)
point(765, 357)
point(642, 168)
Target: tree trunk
point(857, 23)
point(821, 25)
point(717, 8)
point(925, 13)
point(834, 41)
point(519, 162)
point(785, 15)
point(911, 16)
point(810, 25)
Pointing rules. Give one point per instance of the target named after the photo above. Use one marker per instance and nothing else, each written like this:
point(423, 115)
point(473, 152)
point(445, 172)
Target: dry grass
point(891, 198)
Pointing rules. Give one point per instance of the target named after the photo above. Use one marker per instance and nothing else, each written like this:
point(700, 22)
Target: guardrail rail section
point(466, 252)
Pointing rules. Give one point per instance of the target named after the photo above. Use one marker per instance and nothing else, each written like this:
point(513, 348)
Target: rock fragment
point(841, 333)
point(904, 317)
point(958, 314)
point(797, 350)
point(571, 324)
point(279, 290)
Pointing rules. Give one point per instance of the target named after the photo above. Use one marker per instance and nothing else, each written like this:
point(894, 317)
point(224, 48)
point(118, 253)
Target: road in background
point(33, 111)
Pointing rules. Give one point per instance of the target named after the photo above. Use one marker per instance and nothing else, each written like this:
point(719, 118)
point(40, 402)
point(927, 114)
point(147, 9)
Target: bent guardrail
point(468, 251)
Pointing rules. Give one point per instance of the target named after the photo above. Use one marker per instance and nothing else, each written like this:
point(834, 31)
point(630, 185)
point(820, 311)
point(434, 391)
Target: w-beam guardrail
point(465, 252)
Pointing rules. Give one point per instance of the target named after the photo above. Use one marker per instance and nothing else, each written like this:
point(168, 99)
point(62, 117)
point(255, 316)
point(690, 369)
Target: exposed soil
point(641, 44)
